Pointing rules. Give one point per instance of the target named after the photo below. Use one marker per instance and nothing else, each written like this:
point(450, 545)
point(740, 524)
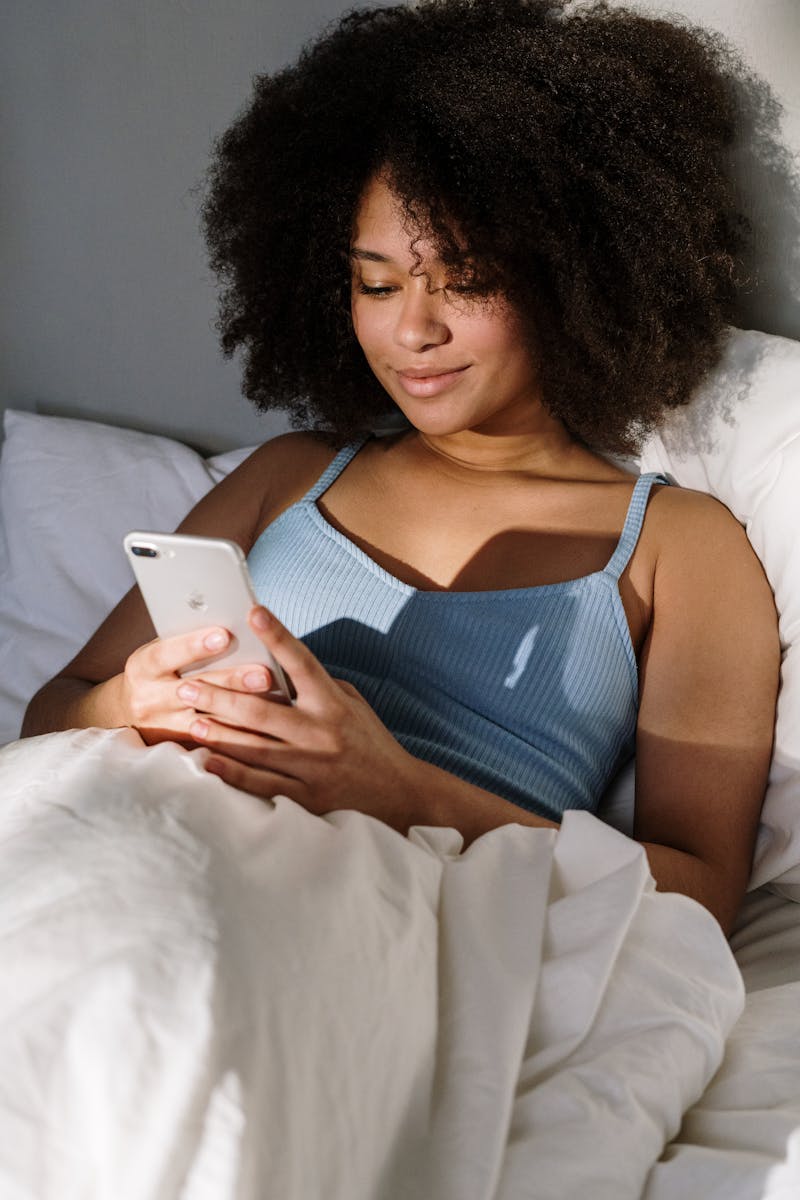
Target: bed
point(207, 996)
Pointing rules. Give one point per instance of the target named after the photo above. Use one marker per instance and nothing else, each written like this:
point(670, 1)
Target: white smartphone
point(191, 582)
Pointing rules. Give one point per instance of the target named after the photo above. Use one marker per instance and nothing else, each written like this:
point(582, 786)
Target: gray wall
point(108, 109)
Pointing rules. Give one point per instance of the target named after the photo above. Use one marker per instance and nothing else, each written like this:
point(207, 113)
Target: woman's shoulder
point(677, 514)
point(300, 451)
point(285, 468)
point(270, 479)
point(695, 537)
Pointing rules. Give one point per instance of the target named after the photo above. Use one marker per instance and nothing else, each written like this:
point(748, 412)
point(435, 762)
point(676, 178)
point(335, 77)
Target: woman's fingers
point(253, 677)
point(170, 656)
point(165, 656)
point(235, 697)
point(243, 710)
point(243, 745)
point(151, 675)
point(301, 665)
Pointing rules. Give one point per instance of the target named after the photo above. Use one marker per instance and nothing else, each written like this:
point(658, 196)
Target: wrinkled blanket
point(206, 997)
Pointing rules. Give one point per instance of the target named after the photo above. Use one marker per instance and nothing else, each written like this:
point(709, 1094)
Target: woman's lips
point(429, 385)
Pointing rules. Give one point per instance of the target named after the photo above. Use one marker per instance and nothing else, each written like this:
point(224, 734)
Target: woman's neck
point(549, 452)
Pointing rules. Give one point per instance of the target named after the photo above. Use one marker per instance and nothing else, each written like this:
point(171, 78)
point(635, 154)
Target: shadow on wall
point(767, 177)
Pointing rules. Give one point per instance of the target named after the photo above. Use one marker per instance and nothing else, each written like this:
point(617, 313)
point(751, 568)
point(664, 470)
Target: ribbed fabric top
point(531, 693)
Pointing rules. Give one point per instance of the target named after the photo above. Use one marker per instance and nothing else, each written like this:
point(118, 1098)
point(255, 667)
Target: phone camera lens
point(144, 551)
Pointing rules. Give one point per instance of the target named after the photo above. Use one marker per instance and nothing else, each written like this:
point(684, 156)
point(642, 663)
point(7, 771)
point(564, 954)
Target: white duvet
point(206, 996)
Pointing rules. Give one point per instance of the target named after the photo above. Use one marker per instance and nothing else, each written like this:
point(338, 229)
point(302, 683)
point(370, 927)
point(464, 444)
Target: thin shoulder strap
point(633, 523)
point(335, 468)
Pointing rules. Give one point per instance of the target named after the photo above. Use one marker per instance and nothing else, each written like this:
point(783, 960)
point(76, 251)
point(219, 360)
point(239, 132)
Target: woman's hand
point(327, 751)
point(151, 683)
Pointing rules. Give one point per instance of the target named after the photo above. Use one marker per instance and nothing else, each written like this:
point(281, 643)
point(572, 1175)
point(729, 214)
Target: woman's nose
point(422, 319)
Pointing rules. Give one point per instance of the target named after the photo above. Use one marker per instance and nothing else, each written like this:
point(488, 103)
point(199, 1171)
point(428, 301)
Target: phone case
point(190, 582)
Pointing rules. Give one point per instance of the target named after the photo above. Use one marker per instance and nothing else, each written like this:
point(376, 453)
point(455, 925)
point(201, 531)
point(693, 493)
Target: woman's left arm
point(708, 686)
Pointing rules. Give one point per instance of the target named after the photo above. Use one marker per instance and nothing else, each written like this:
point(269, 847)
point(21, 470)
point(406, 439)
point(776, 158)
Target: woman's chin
point(435, 417)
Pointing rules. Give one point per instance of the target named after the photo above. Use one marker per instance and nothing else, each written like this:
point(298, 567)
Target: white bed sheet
point(741, 1141)
point(138, 891)
point(206, 997)
point(766, 941)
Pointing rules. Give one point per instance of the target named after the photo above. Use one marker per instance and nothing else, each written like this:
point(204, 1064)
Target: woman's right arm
point(90, 689)
point(124, 675)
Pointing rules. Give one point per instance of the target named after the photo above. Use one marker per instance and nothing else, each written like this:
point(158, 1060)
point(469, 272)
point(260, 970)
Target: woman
point(511, 223)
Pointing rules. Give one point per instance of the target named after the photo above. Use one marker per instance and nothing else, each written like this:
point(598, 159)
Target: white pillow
point(69, 490)
point(739, 439)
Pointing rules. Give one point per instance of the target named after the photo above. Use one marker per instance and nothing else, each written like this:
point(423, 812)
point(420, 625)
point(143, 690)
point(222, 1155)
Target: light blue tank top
point(531, 693)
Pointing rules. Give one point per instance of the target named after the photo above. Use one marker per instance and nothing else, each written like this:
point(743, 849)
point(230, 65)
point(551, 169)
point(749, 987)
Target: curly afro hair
point(579, 152)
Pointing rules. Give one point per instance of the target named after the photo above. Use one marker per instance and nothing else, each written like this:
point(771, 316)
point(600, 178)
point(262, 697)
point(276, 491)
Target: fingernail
point(256, 680)
point(215, 641)
point(198, 728)
point(260, 619)
point(188, 691)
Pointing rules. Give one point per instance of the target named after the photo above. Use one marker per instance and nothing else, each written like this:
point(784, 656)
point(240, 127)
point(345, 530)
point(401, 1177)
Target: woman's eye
point(468, 284)
point(366, 290)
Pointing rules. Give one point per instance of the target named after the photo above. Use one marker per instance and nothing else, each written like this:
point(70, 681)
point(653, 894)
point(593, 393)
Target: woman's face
point(450, 361)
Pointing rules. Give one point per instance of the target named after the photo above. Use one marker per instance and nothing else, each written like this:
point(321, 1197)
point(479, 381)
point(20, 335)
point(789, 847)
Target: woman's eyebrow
point(369, 255)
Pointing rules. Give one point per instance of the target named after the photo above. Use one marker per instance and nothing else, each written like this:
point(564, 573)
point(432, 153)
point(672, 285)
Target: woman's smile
point(431, 383)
